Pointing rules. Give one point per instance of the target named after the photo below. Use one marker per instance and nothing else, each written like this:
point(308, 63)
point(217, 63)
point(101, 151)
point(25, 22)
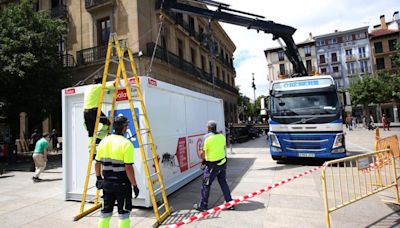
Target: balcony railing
point(67, 60)
point(95, 4)
point(188, 67)
point(192, 32)
point(95, 54)
point(91, 55)
point(350, 58)
point(58, 11)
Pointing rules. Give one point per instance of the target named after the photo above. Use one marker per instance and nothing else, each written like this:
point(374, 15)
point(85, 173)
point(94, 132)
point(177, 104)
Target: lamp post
point(254, 88)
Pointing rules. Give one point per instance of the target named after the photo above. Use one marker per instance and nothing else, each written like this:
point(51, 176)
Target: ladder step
point(161, 206)
point(154, 174)
point(158, 190)
point(146, 144)
point(150, 159)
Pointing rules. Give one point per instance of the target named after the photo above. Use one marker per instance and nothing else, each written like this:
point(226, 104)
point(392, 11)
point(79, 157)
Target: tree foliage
point(31, 72)
point(369, 89)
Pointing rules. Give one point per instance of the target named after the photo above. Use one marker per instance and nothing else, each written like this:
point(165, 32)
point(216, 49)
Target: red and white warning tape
point(377, 165)
point(241, 199)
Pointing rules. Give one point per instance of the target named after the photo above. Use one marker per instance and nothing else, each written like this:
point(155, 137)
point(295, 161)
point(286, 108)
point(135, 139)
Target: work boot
point(198, 207)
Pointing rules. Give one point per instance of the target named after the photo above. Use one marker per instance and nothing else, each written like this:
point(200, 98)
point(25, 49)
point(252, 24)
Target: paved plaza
point(296, 204)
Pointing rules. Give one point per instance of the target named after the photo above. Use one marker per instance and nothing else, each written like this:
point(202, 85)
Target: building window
point(393, 62)
point(281, 56)
point(349, 52)
point(334, 40)
point(364, 66)
point(309, 66)
point(210, 67)
point(282, 69)
point(378, 47)
point(335, 69)
point(392, 45)
point(334, 57)
point(180, 49)
point(323, 70)
point(321, 58)
point(348, 38)
point(361, 52)
point(103, 30)
point(307, 51)
point(380, 63)
point(223, 76)
point(203, 62)
point(193, 55)
point(350, 68)
point(218, 74)
point(361, 35)
point(321, 42)
point(191, 23)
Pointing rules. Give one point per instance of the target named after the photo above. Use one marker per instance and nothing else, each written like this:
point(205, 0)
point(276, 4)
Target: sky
point(316, 16)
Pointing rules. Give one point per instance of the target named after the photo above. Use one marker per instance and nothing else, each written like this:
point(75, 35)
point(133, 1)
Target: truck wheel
point(276, 157)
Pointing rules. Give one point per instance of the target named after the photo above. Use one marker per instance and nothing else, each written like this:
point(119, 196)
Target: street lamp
point(254, 88)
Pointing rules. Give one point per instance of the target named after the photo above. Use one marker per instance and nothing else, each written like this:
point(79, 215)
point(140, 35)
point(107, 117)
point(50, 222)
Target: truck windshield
point(305, 104)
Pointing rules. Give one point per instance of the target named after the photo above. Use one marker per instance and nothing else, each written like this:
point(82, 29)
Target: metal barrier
point(348, 180)
point(391, 142)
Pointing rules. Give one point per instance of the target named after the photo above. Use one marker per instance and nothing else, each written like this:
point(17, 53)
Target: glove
point(99, 182)
point(136, 191)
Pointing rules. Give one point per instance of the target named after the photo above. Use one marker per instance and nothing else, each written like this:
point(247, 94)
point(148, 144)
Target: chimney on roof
point(336, 30)
point(310, 36)
point(396, 16)
point(383, 22)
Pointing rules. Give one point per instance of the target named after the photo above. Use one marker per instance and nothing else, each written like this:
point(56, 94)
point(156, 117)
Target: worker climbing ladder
point(143, 135)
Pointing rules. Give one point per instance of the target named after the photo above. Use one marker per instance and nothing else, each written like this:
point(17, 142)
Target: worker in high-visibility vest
point(214, 160)
point(115, 154)
point(91, 101)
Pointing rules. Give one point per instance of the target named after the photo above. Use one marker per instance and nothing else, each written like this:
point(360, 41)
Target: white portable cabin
point(177, 118)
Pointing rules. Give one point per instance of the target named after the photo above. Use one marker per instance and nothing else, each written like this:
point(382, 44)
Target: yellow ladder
point(157, 201)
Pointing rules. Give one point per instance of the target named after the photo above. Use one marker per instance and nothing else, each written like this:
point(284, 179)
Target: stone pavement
point(296, 204)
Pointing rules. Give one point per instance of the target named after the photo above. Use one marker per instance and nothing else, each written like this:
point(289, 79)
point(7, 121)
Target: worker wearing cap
point(91, 101)
point(215, 160)
point(115, 154)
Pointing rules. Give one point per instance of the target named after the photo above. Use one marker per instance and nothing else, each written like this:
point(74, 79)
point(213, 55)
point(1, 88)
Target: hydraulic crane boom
point(224, 14)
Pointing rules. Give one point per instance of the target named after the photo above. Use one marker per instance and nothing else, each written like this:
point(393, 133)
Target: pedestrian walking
point(371, 123)
point(40, 156)
point(91, 101)
point(115, 156)
point(349, 121)
point(214, 160)
point(36, 135)
point(385, 122)
point(354, 122)
point(54, 139)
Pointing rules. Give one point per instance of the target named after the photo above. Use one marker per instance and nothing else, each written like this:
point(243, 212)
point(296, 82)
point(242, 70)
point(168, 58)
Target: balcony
point(186, 27)
point(96, 54)
point(67, 60)
point(322, 63)
point(335, 61)
point(91, 55)
point(93, 5)
point(187, 67)
point(351, 58)
point(59, 11)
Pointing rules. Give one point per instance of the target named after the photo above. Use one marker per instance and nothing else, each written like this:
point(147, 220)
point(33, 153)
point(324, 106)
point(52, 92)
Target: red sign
point(132, 81)
point(70, 91)
point(181, 154)
point(152, 82)
point(199, 146)
point(122, 95)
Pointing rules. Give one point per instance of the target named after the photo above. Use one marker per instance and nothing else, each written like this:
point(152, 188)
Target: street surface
point(250, 168)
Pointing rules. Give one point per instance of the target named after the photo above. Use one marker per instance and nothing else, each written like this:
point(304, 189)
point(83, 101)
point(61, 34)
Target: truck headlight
point(274, 140)
point(339, 141)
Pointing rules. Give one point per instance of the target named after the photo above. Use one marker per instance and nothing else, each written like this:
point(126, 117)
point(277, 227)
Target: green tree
point(31, 71)
point(369, 89)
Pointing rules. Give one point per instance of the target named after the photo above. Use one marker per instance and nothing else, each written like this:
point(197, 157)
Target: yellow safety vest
point(214, 148)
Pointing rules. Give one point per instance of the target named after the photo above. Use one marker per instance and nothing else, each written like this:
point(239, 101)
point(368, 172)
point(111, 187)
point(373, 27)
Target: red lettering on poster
point(152, 82)
point(132, 81)
point(181, 154)
point(70, 91)
point(122, 95)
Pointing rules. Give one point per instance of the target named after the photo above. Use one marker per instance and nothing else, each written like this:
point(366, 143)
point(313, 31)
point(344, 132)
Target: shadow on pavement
point(183, 199)
point(6, 176)
point(23, 163)
point(179, 216)
point(51, 180)
point(249, 205)
point(390, 220)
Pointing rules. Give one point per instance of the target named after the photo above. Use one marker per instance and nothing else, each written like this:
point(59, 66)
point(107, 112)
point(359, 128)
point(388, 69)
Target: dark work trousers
point(209, 173)
point(90, 120)
point(120, 192)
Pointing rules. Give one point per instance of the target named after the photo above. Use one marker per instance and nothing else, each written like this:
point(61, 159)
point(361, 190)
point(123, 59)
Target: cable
point(155, 47)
